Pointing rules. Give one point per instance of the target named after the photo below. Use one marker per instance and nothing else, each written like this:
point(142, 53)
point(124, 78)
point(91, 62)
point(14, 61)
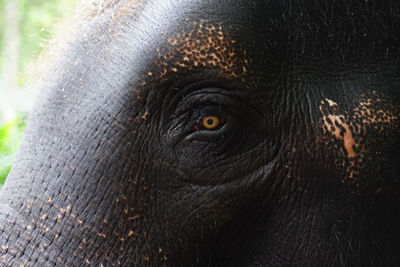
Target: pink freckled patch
point(354, 131)
point(336, 125)
point(204, 46)
point(347, 138)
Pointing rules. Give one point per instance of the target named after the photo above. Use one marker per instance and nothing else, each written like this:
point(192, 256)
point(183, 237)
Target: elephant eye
point(209, 123)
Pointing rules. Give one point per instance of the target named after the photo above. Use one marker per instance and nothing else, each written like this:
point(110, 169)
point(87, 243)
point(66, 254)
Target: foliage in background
point(36, 20)
point(36, 23)
point(10, 139)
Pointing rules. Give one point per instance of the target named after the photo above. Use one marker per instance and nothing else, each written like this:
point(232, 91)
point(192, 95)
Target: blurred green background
point(25, 28)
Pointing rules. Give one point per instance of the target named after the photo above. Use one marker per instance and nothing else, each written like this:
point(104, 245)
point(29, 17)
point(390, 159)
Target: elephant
point(212, 133)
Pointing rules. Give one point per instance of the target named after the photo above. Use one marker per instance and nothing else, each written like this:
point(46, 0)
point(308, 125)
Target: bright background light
point(25, 28)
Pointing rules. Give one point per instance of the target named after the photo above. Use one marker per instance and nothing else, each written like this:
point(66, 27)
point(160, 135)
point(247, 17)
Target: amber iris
point(210, 122)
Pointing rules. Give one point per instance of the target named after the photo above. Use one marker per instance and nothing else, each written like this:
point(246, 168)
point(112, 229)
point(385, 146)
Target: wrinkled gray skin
point(116, 167)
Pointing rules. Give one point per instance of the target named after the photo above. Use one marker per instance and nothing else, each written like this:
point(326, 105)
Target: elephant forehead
point(200, 46)
point(204, 45)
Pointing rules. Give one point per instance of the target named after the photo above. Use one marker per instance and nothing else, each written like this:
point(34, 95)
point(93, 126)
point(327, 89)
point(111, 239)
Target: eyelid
point(201, 98)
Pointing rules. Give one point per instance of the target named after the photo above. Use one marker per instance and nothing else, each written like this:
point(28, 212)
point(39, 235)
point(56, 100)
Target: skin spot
point(66, 209)
point(330, 102)
point(58, 218)
point(101, 235)
point(133, 218)
point(145, 115)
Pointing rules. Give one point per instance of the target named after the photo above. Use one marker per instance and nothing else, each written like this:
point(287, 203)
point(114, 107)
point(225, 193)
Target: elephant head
point(213, 133)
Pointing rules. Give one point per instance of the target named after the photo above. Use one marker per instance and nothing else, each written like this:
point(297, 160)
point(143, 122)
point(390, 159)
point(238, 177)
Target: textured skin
point(304, 172)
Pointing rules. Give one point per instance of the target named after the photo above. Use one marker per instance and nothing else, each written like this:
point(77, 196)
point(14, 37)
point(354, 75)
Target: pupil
point(210, 122)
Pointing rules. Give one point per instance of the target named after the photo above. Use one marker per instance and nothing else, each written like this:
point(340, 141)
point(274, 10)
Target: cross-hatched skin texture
point(213, 133)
